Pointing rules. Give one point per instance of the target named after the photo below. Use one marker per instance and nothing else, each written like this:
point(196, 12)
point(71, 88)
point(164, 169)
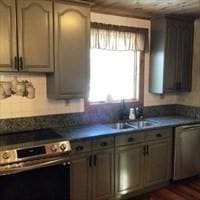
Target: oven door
point(36, 180)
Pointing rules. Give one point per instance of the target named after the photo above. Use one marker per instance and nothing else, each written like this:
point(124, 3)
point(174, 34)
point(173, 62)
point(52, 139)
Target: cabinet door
point(35, 27)
point(103, 174)
point(72, 30)
point(129, 168)
point(158, 162)
point(171, 57)
point(80, 177)
point(185, 52)
point(8, 47)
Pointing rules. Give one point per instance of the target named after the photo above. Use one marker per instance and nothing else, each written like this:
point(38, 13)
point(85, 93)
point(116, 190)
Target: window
point(114, 75)
point(115, 63)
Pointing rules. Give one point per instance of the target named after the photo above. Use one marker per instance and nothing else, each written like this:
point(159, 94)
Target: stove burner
point(28, 136)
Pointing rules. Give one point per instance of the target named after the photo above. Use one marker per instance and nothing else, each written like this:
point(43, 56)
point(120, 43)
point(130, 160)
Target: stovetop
point(28, 137)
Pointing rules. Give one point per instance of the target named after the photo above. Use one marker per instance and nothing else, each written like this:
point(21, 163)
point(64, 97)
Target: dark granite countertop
point(85, 132)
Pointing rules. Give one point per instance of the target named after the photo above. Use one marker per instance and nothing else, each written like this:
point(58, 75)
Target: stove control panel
point(34, 152)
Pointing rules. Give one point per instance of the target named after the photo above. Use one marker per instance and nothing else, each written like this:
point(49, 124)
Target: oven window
point(49, 183)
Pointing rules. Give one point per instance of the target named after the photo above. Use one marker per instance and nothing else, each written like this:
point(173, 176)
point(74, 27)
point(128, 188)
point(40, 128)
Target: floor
point(185, 190)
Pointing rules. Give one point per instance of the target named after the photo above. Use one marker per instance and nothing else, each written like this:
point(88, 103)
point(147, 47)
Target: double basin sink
point(133, 124)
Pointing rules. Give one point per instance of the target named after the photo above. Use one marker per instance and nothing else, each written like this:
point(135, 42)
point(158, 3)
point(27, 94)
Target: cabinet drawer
point(158, 134)
point(102, 143)
point(129, 138)
point(81, 146)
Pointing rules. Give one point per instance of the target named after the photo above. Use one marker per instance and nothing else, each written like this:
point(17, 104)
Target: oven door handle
point(31, 165)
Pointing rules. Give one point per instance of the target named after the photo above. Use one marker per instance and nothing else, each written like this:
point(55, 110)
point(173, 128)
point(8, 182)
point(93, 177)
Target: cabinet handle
point(178, 86)
point(147, 149)
point(158, 135)
point(95, 160)
point(103, 144)
point(16, 63)
point(21, 64)
point(79, 148)
point(90, 161)
point(131, 139)
point(144, 150)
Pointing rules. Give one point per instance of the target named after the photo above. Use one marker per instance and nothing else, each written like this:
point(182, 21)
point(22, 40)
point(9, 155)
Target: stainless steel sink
point(121, 125)
point(141, 123)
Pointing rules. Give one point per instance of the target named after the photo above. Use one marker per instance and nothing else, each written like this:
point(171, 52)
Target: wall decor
point(16, 87)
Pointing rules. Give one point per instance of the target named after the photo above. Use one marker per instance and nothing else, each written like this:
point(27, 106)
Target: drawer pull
point(79, 148)
point(158, 135)
point(131, 139)
point(103, 144)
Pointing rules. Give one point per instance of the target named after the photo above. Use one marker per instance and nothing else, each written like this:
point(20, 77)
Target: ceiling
point(147, 8)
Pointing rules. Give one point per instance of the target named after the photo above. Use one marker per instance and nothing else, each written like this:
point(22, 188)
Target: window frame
point(139, 102)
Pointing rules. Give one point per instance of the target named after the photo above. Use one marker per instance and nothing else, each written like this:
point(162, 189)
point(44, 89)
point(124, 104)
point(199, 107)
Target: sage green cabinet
point(129, 168)
point(8, 40)
point(171, 54)
point(158, 162)
point(103, 174)
point(92, 170)
point(142, 160)
point(26, 36)
point(72, 45)
point(80, 177)
point(35, 35)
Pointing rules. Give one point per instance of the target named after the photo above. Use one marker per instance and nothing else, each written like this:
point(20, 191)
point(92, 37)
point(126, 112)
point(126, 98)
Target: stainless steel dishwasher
point(187, 152)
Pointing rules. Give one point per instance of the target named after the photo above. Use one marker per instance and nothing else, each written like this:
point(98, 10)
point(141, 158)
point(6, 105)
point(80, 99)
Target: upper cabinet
point(72, 45)
point(171, 55)
point(35, 35)
point(29, 49)
point(8, 42)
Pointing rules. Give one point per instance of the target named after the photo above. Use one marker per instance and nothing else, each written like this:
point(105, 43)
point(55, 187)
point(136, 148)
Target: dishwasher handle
point(190, 127)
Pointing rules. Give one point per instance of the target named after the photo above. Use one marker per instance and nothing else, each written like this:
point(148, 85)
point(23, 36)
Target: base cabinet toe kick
point(119, 167)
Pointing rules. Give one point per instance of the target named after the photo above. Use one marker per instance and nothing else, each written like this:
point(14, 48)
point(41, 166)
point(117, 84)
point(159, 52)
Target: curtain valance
point(121, 38)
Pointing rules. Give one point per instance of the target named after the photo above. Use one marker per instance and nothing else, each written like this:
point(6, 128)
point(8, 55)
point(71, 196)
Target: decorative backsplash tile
point(22, 88)
point(18, 107)
point(93, 115)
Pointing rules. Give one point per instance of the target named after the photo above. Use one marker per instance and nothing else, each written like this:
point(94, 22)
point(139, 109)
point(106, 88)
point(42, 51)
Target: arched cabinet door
point(72, 36)
point(35, 33)
point(8, 47)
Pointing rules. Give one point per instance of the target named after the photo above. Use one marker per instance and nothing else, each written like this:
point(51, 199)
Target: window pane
point(114, 74)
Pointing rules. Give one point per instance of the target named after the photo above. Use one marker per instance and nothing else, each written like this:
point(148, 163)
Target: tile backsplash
point(17, 106)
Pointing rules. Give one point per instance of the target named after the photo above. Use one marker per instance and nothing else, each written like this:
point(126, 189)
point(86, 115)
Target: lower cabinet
point(103, 174)
point(142, 163)
point(80, 177)
point(105, 169)
point(158, 162)
point(92, 173)
point(129, 168)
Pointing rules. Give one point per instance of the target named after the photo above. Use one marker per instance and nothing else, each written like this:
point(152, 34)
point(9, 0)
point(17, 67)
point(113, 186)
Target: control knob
point(63, 146)
point(54, 148)
point(6, 156)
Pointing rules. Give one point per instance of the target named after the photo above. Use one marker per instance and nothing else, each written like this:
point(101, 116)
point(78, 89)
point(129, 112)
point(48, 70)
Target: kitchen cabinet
point(129, 168)
point(142, 160)
point(30, 48)
point(80, 178)
point(8, 42)
point(35, 35)
point(72, 46)
point(92, 169)
point(103, 174)
point(157, 162)
point(171, 55)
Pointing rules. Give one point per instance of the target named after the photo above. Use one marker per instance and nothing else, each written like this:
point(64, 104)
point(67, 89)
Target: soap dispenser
point(132, 114)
